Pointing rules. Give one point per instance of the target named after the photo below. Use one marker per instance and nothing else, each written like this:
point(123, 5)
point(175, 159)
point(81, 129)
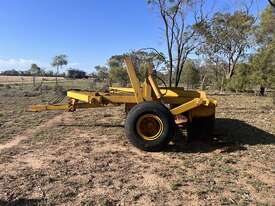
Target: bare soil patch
point(83, 158)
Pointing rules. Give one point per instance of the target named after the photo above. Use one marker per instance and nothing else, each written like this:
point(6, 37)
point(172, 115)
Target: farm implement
point(154, 114)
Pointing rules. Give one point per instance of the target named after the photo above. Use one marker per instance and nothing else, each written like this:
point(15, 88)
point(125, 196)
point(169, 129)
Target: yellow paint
point(78, 95)
point(187, 106)
point(39, 108)
point(147, 90)
point(167, 92)
point(123, 89)
point(134, 80)
point(66, 107)
point(154, 87)
point(149, 127)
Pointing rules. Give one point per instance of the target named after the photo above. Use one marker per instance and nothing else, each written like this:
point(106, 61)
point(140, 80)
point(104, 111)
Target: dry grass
point(24, 79)
point(83, 158)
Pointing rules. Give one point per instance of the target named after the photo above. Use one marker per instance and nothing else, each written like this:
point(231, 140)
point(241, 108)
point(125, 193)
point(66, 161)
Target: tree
point(58, 62)
point(140, 59)
point(263, 67)
point(75, 74)
point(11, 72)
point(117, 71)
point(34, 71)
point(190, 74)
point(263, 61)
point(241, 80)
point(272, 3)
point(144, 56)
point(181, 37)
point(227, 37)
point(102, 72)
point(265, 32)
point(119, 74)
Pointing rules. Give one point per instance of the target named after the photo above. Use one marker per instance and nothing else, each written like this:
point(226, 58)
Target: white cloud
point(18, 64)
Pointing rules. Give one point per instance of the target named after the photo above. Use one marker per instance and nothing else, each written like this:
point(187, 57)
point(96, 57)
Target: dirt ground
point(83, 158)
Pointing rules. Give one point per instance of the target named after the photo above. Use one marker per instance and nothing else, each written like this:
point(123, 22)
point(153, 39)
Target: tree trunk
point(57, 68)
point(202, 82)
point(170, 77)
point(228, 76)
point(33, 80)
point(230, 72)
point(262, 91)
point(221, 89)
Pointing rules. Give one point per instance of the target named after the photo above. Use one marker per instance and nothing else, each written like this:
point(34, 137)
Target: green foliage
point(118, 72)
point(190, 75)
point(227, 37)
point(11, 72)
point(75, 74)
point(263, 66)
point(102, 72)
point(35, 70)
point(266, 30)
point(60, 60)
point(263, 61)
point(272, 3)
point(119, 75)
point(241, 80)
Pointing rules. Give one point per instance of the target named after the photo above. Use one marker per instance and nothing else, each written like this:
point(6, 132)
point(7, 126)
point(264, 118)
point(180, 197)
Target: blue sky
point(88, 31)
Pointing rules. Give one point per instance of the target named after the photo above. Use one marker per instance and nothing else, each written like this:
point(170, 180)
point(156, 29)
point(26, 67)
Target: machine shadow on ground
point(229, 135)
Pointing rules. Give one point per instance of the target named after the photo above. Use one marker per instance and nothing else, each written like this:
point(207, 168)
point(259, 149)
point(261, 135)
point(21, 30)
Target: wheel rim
point(149, 127)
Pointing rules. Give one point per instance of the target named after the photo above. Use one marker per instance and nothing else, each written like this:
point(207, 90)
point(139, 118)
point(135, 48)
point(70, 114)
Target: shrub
point(7, 86)
point(75, 74)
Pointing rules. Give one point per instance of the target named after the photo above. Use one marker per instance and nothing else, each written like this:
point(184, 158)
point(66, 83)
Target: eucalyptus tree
point(59, 61)
point(180, 35)
point(34, 71)
point(102, 73)
point(227, 37)
point(190, 74)
point(272, 3)
point(263, 61)
point(140, 59)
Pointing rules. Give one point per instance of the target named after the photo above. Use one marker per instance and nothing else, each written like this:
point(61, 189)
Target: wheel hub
point(149, 127)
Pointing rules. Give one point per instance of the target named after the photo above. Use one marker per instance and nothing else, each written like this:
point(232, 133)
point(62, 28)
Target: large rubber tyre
point(161, 114)
point(201, 129)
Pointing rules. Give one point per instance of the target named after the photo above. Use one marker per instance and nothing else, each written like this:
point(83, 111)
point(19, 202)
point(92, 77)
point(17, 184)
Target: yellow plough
point(153, 112)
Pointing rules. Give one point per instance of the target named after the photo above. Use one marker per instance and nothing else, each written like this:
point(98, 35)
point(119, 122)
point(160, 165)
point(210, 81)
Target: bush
point(76, 74)
point(11, 72)
point(7, 86)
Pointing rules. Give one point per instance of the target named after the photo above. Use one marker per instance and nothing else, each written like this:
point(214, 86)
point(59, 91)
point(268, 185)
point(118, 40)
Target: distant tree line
point(14, 72)
point(58, 62)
